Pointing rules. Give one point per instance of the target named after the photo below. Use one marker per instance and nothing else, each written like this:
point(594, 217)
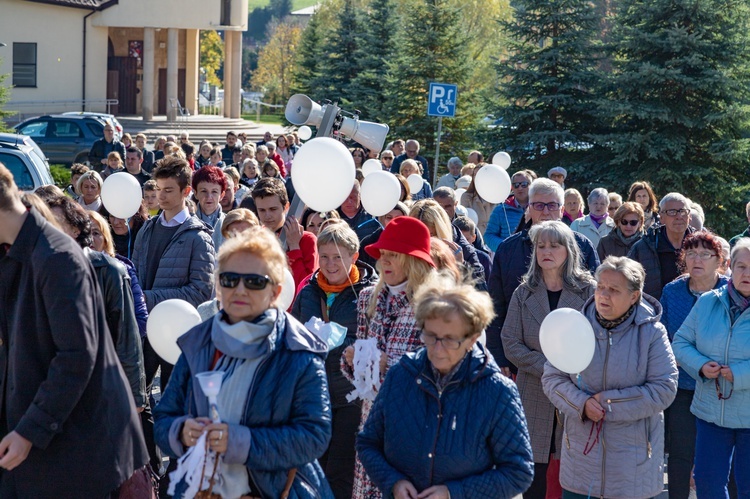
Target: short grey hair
point(444, 192)
point(613, 196)
point(742, 243)
point(674, 196)
point(543, 186)
point(455, 160)
point(696, 209)
point(262, 149)
point(271, 145)
point(574, 274)
point(631, 270)
point(598, 193)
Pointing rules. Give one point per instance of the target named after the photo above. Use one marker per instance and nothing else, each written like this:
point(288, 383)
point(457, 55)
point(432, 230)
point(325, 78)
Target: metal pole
point(437, 152)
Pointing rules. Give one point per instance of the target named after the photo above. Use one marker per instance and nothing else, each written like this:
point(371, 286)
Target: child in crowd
point(150, 198)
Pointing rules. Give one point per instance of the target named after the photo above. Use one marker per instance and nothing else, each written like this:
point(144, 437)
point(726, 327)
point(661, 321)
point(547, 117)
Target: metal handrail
point(62, 105)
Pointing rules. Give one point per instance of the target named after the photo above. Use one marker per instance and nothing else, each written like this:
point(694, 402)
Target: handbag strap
point(324, 310)
point(289, 482)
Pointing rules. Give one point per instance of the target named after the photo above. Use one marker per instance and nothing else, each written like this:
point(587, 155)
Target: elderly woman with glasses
point(273, 402)
point(447, 423)
point(613, 440)
point(597, 223)
point(556, 278)
point(628, 230)
point(703, 259)
point(713, 347)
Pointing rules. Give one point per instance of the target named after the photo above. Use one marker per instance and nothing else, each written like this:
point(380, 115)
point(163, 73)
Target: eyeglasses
point(703, 255)
point(674, 213)
point(721, 395)
point(632, 223)
point(549, 206)
point(387, 158)
point(251, 281)
point(448, 343)
point(516, 185)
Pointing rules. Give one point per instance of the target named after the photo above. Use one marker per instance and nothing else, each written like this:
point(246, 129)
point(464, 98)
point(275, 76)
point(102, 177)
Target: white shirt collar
point(178, 219)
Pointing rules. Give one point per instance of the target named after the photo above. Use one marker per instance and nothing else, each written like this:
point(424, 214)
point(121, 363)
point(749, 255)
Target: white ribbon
point(366, 370)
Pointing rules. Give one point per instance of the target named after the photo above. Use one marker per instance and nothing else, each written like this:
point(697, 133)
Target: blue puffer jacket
point(186, 268)
point(287, 421)
point(676, 303)
point(471, 437)
point(502, 224)
point(708, 334)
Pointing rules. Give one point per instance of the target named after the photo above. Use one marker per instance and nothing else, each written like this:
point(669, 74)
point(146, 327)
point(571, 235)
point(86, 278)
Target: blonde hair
point(340, 234)
point(237, 215)
point(441, 296)
point(443, 257)
point(89, 175)
point(257, 241)
point(429, 212)
point(416, 270)
point(411, 162)
point(232, 173)
point(109, 246)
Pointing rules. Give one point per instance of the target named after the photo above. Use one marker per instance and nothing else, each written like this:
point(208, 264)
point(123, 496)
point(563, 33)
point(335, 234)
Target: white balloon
point(492, 183)
point(502, 159)
point(567, 340)
point(380, 193)
point(288, 288)
point(323, 173)
point(473, 215)
point(459, 194)
point(304, 132)
point(121, 195)
point(167, 321)
point(415, 182)
point(372, 166)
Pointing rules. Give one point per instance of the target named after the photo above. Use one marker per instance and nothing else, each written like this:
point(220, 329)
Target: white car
point(25, 160)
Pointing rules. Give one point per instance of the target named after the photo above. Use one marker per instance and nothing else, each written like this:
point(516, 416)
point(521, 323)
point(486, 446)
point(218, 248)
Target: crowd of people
point(452, 289)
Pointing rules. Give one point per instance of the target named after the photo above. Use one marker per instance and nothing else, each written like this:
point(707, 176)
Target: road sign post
point(441, 103)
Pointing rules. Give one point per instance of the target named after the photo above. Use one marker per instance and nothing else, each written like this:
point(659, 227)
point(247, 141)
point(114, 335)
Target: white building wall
point(183, 14)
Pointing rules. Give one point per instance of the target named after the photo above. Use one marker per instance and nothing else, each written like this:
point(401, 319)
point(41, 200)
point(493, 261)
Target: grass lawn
point(269, 119)
point(296, 4)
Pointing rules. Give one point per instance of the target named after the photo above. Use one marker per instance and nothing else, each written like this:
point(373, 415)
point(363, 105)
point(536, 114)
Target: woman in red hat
point(385, 311)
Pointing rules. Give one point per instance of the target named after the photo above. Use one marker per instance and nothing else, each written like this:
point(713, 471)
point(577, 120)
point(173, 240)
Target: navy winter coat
point(287, 420)
point(508, 267)
point(471, 437)
point(309, 303)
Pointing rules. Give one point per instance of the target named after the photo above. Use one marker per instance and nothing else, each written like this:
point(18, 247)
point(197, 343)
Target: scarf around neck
point(627, 241)
point(598, 220)
point(244, 340)
point(737, 302)
point(611, 324)
point(338, 288)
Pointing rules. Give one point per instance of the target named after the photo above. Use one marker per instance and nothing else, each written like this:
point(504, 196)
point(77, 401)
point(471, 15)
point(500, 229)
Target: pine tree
point(339, 65)
point(308, 73)
point(678, 102)
point(432, 47)
point(549, 82)
point(374, 50)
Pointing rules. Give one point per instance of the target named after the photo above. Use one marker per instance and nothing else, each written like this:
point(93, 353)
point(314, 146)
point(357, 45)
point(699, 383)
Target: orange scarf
point(338, 288)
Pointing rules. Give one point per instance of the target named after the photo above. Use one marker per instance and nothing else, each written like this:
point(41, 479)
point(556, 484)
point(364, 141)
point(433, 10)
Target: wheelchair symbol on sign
point(443, 106)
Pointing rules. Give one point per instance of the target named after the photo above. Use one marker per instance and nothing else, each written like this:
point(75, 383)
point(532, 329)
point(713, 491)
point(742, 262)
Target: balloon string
point(127, 222)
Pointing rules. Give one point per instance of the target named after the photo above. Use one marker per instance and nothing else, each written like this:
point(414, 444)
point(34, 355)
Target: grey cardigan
point(635, 373)
point(520, 334)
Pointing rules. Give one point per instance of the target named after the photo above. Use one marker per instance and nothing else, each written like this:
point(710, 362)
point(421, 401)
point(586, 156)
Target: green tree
point(339, 62)
point(549, 81)
point(280, 8)
point(433, 46)
point(4, 97)
point(211, 55)
point(375, 48)
point(308, 61)
point(678, 103)
point(276, 62)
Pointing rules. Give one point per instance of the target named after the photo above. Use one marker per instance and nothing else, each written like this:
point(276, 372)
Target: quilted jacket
point(708, 335)
point(502, 223)
point(186, 267)
point(287, 420)
point(508, 267)
point(471, 437)
point(645, 252)
point(634, 372)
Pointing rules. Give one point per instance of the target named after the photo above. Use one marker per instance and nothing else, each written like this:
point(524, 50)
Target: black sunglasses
point(632, 223)
point(516, 185)
point(251, 281)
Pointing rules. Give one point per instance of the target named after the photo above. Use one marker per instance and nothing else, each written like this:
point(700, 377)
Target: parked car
point(25, 160)
point(108, 118)
point(64, 139)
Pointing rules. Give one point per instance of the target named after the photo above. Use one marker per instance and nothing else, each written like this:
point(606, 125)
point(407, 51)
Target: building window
point(24, 64)
point(226, 13)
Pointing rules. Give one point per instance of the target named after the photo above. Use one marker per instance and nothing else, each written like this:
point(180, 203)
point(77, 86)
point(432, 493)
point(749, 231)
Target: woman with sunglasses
point(613, 440)
point(446, 422)
point(556, 278)
point(385, 312)
point(273, 402)
point(713, 347)
point(628, 230)
point(703, 259)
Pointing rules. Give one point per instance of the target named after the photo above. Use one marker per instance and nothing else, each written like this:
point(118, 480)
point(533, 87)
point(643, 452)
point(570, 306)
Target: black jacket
point(309, 303)
point(101, 149)
point(114, 281)
point(64, 389)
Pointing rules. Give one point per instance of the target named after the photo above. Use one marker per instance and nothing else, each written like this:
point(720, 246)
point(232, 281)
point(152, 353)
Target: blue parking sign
point(442, 100)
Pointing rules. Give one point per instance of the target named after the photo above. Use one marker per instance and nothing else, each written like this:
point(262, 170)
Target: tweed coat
point(520, 336)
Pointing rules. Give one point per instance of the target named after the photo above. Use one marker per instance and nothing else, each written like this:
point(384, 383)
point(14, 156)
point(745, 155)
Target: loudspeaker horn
point(302, 110)
point(370, 135)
